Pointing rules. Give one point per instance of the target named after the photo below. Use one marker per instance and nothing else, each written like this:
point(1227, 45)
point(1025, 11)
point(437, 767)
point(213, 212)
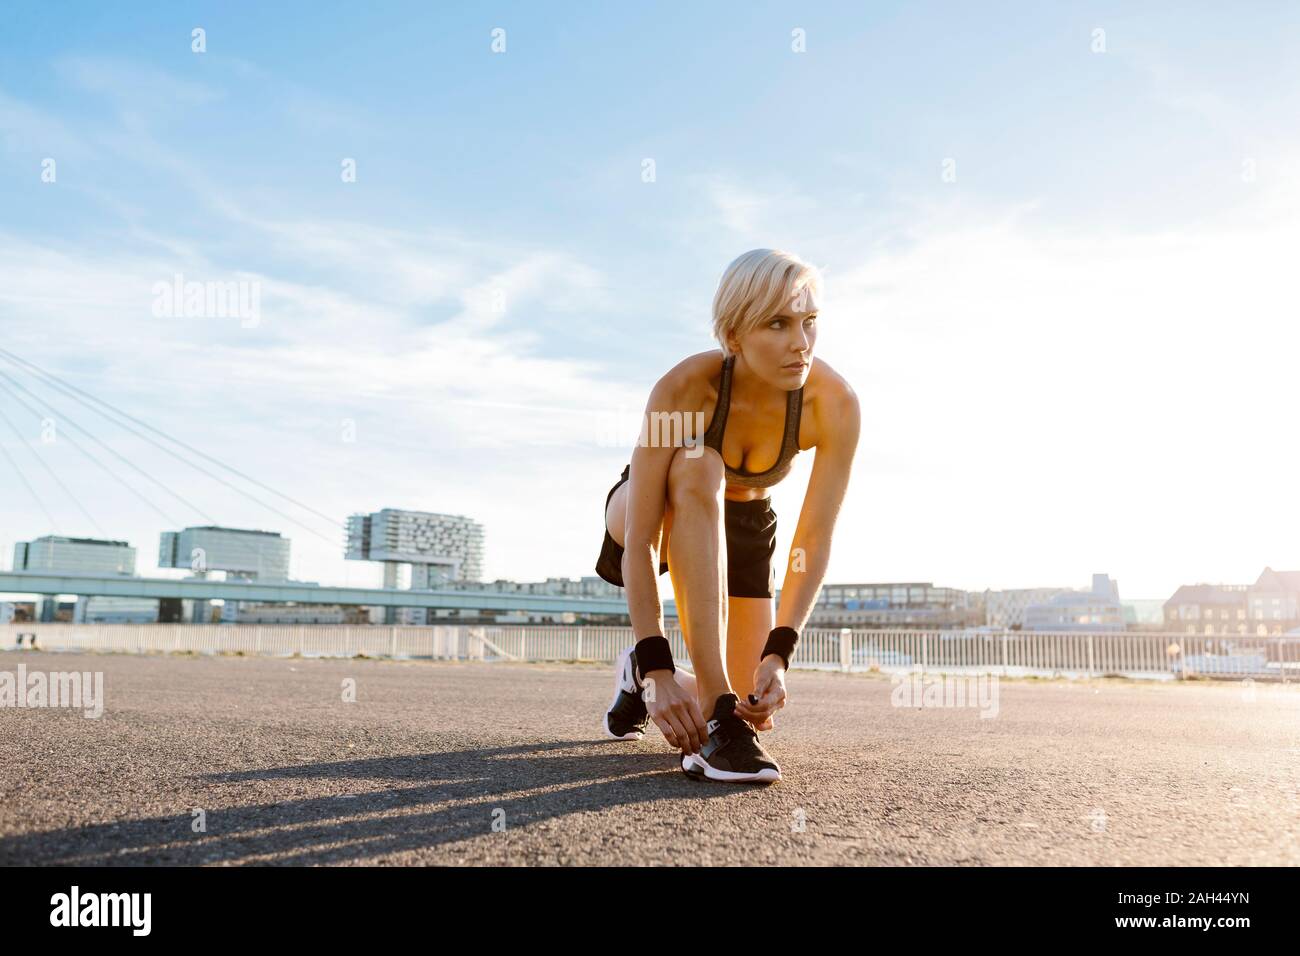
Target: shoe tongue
point(725, 706)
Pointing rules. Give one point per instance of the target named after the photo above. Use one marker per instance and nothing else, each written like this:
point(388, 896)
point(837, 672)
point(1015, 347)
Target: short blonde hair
point(758, 285)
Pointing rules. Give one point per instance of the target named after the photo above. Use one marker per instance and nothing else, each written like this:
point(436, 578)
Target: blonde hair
point(756, 286)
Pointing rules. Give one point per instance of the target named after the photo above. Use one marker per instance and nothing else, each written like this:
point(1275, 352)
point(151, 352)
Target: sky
point(1058, 243)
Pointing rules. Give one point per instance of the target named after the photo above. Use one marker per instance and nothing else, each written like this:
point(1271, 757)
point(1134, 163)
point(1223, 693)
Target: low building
point(61, 555)
point(1096, 610)
point(896, 605)
point(240, 552)
point(115, 610)
point(1273, 602)
point(255, 613)
point(1006, 609)
point(1207, 609)
point(589, 586)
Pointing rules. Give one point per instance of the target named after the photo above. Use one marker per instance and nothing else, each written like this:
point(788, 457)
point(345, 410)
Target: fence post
point(578, 656)
point(846, 649)
point(392, 642)
point(925, 650)
point(523, 644)
point(1090, 656)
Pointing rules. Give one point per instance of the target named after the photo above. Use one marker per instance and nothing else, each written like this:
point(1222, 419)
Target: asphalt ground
point(505, 764)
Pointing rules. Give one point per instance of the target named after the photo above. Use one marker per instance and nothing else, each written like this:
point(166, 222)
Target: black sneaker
point(733, 753)
point(627, 718)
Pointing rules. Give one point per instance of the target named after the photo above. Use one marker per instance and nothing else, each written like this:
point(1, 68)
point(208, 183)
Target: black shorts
point(751, 543)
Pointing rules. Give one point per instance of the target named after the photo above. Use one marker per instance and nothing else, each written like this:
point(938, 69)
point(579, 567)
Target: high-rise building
point(438, 549)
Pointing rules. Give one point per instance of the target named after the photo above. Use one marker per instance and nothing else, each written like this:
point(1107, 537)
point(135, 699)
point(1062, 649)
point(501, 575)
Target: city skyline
point(1066, 352)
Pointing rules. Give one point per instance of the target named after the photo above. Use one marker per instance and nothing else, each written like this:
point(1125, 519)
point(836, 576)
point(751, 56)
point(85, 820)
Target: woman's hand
point(769, 689)
point(675, 711)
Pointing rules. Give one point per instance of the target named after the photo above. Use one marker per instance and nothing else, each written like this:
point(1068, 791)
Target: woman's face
point(781, 350)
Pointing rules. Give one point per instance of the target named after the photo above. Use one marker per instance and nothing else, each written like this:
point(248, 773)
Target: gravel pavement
point(504, 764)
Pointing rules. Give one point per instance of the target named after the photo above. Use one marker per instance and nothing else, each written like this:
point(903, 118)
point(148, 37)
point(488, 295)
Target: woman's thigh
point(616, 520)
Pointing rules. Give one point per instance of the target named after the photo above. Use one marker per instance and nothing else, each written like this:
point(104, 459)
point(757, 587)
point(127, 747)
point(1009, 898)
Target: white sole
point(694, 765)
point(618, 689)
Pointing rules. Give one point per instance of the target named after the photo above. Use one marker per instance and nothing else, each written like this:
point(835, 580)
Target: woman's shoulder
point(694, 377)
point(829, 400)
point(701, 365)
point(826, 383)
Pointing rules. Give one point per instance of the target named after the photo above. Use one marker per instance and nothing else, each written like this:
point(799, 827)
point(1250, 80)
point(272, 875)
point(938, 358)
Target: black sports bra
point(789, 442)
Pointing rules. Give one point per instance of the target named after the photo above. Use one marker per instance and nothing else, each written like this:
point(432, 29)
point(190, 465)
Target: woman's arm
point(839, 422)
point(647, 494)
point(837, 430)
point(673, 709)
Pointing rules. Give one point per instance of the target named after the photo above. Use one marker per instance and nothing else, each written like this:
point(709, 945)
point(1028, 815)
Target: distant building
point(1207, 609)
point(904, 605)
point(1145, 613)
point(1006, 609)
point(251, 613)
point(437, 549)
point(74, 556)
point(589, 586)
point(115, 610)
point(1096, 610)
point(59, 555)
point(1273, 602)
point(241, 553)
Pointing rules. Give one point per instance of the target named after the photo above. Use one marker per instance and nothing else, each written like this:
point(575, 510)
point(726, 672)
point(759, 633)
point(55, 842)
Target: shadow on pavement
point(457, 793)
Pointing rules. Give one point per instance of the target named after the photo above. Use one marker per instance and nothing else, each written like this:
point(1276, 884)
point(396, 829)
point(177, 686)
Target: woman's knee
point(695, 479)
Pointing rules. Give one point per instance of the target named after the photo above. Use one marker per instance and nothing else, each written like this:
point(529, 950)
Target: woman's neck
point(751, 391)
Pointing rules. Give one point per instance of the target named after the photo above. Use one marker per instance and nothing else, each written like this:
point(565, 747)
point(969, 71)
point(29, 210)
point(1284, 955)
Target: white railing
point(1010, 653)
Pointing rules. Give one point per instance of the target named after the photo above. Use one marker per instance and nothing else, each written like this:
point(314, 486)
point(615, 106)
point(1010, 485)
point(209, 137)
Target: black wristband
point(781, 641)
point(654, 654)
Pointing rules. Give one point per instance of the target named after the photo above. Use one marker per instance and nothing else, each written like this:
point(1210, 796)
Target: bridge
point(289, 592)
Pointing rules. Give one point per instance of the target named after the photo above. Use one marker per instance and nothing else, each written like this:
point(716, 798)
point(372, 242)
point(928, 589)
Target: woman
point(683, 494)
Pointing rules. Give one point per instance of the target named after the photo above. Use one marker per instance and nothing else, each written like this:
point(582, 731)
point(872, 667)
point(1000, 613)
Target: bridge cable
point(77, 445)
point(53, 474)
point(67, 387)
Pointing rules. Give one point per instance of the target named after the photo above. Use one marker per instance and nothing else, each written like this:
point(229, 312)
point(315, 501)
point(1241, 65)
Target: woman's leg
point(697, 563)
point(615, 523)
point(749, 621)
